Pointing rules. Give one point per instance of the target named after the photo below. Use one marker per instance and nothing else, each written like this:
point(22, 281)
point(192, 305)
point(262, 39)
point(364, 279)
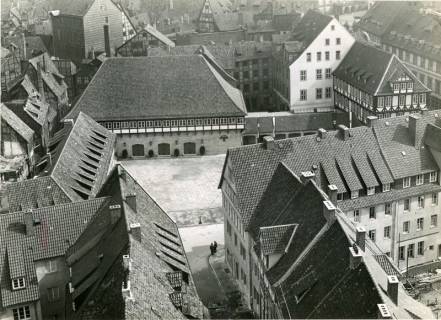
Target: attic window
point(92, 158)
point(94, 152)
point(18, 283)
point(100, 135)
point(98, 140)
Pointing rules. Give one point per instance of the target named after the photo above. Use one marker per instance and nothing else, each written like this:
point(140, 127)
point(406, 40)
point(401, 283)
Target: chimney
point(416, 130)
point(123, 173)
point(115, 213)
point(307, 176)
point(360, 237)
point(383, 311)
point(332, 193)
point(29, 223)
point(371, 121)
point(329, 211)
point(131, 201)
point(126, 262)
point(268, 143)
point(126, 292)
point(344, 131)
point(321, 133)
point(392, 288)
point(355, 256)
point(68, 123)
point(135, 230)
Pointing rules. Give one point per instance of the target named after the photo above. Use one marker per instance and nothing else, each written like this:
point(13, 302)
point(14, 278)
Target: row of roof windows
point(172, 123)
point(319, 56)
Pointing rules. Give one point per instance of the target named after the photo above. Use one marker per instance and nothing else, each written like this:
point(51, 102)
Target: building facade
point(321, 43)
point(416, 41)
point(202, 115)
point(381, 183)
point(372, 82)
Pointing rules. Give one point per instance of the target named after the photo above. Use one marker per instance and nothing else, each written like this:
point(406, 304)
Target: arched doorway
point(138, 150)
point(164, 149)
point(189, 148)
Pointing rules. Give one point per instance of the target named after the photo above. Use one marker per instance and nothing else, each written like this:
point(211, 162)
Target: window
point(327, 55)
point(406, 182)
point(327, 42)
point(229, 228)
point(422, 98)
point(302, 75)
point(420, 202)
point(415, 99)
point(337, 54)
point(434, 198)
point(406, 226)
point(303, 95)
point(433, 176)
point(410, 86)
point(308, 57)
point(402, 100)
point(318, 74)
point(419, 179)
point(53, 294)
point(328, 92)
point(319, 56)
point(52, 266)
point(420, 224)
point(372, 213)
point(318, 93)
point(396, 86)
point(357, 215)
point(411, 250)
point(372, 235)
point(406, 204)
point(387, 232)
point(354, 194)
point(18, 283)
point(332, 27)
point(387, 209)
point(403, 86)
point(338, 41)
point(433, 220)
point(401, 255)
point(339, 196)
point(421, 248)
point(380, 101)
point(386, 187)
point(370, 191)
point(328, 73)
point(22, 313)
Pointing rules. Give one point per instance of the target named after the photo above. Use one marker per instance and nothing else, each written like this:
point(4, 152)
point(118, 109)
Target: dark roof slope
point(137, 88)
point(364, 67)
point(333, 289)
point(309, 27)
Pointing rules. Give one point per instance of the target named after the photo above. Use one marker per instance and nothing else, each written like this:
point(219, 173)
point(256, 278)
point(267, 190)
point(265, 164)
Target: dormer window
point(406, 182)
point(386, 187)
point(423, 98)
point(403, 86)
point(370, 191)
point(410, 86)
point(339, 196)
point(396, 87)
point(354, 194)
point(18, 283)
point(433, 176)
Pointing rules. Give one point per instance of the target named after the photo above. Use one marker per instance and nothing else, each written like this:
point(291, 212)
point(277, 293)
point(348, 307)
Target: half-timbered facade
point(372, 82)
point(202, 114)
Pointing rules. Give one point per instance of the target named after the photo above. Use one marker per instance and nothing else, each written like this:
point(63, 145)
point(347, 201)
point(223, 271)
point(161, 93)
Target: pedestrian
point(212, 248)
point(215, 246)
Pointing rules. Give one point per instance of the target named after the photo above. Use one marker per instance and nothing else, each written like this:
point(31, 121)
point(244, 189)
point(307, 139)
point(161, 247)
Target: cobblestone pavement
point(186, 188)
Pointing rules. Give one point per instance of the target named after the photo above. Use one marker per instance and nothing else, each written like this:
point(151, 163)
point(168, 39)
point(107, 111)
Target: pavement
point(186, 188)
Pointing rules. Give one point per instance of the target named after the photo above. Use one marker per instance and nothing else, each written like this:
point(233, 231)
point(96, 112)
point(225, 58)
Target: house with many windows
point(416, 39)
point(373, 82)
point(217, 16)
point(303, 66)
point(381, 176)
point(202, 113)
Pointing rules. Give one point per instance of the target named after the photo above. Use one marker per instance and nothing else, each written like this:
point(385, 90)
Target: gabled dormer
point(401, 82)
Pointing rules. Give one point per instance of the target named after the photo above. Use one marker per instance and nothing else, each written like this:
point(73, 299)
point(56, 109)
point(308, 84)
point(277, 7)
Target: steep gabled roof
point(16, 123)
point(198, 90)
point(81, 157)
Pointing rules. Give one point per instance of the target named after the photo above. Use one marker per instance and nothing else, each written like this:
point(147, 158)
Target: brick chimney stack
point(383, 312)
point(371, 120)
point(29, 222)
point(416, 130)
point(321, 133)
point(332, 193)
point(360, 237)
point(115, 213)
point(307, 176)
point(329, 211)
point(392, 288)
point(135, 231)
point(344, 131)
point(269, 143)
point(131, 201)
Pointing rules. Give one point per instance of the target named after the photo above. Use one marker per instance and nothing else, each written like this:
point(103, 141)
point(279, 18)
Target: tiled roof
point(276, 239)
point(55, 228)
point(33, 194)
point(290, 122)
point(160, 36)
point(16, 123)
point(34, 44)
point(81, 158)
point(399, 150)
point(309, 27)
point(253, 166)
point(137, 88)
point(32, 111)
point(381, 15)
point(371, 69)
point(224, 17)
point(76, 8)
